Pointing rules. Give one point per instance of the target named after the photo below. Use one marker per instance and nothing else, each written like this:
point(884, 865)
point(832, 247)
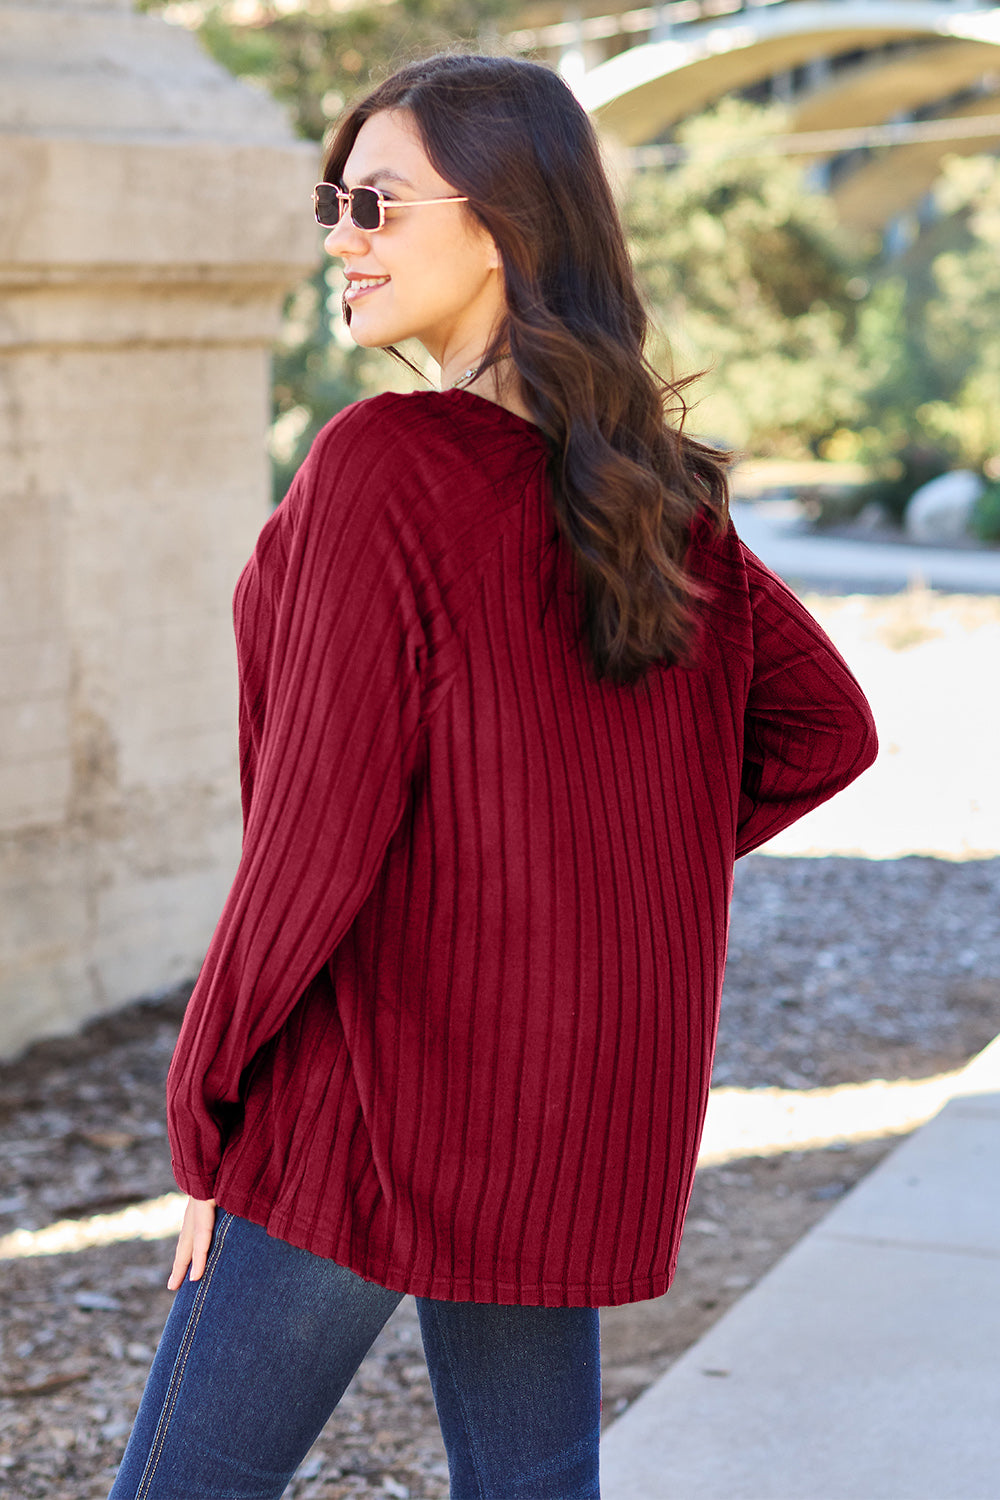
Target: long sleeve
point(335, 728)
point(808, 727)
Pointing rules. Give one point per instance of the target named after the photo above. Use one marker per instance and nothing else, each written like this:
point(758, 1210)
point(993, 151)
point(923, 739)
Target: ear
point(491, 253)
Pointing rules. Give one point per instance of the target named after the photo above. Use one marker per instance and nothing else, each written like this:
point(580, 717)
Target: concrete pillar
point(153, 212)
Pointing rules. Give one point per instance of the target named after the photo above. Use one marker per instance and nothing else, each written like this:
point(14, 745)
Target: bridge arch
point(646, 89)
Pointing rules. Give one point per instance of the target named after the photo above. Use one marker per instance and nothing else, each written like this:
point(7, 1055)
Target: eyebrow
point(385, 174)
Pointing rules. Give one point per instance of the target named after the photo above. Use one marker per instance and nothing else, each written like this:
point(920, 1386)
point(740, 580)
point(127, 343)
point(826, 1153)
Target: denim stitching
point(173, 1389)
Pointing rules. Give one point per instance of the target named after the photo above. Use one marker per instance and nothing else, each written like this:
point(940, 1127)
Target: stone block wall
point(153, 213)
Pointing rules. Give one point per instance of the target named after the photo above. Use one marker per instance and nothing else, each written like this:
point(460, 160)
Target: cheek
point(453, 257)
point(472, 269)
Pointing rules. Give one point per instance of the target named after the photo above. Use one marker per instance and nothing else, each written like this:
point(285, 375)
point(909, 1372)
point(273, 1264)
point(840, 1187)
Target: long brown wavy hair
point(627, 480)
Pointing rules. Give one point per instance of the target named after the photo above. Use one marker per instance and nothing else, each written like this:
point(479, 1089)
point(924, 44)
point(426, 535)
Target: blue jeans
point(255, 1356)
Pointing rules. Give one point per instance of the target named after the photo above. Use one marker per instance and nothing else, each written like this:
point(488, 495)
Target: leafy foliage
point(751, 279)
point(937, 403)
point(808, 347)
point(962, 328)
point(986, 516)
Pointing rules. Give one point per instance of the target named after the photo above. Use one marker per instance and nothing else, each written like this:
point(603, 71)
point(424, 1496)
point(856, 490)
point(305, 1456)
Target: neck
point(497, 383)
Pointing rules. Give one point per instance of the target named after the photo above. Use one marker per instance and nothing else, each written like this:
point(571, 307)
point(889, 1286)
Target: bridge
point(905, 80)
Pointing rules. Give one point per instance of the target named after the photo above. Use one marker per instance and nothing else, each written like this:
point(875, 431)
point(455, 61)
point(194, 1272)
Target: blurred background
point(812, 193)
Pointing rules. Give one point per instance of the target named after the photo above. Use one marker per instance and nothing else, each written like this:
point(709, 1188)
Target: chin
point(369, 335)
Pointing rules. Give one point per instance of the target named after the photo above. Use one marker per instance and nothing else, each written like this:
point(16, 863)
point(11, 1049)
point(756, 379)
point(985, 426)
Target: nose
point(345, 238)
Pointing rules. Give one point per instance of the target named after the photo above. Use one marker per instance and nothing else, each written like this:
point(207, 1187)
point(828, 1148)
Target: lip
point(359, 285)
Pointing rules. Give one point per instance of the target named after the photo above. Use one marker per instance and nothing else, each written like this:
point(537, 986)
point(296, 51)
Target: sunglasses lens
point(365, 208)
point(327, 205)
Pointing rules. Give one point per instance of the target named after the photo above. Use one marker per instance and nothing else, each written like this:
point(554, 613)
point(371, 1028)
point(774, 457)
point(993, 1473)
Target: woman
point(513, 698)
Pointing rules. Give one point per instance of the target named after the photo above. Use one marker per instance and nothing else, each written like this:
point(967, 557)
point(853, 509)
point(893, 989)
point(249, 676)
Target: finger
point(203, 1224)
point(182, 1256)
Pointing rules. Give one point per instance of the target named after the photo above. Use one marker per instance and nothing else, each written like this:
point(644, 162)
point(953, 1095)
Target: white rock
point(940, 510)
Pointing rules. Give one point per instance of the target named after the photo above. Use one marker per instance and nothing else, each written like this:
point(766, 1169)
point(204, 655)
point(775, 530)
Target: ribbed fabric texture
point(455, 1026)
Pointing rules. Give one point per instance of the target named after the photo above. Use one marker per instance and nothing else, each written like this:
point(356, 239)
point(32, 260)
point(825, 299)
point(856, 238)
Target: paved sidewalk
point(777, 538)
point(866, 1364)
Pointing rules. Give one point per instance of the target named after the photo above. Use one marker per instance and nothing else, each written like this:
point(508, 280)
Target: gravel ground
point(841, 970)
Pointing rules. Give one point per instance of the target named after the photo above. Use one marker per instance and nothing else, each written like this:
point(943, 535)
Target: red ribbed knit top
point(455, 1026)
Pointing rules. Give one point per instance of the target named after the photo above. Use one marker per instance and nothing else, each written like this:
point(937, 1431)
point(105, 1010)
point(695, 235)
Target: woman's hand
point(194, 1240)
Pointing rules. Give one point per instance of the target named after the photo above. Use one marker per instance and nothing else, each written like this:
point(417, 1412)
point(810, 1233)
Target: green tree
point(937, 402)
point(962, 327)
point(751, 279)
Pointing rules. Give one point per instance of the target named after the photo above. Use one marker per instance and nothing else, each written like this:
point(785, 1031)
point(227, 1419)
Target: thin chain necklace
point(466, 378)
point(474, 371)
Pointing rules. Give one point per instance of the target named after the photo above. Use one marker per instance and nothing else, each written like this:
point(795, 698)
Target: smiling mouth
point(356, 289)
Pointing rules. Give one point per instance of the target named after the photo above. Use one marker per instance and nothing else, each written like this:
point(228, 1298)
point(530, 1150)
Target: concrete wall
point(152, 214)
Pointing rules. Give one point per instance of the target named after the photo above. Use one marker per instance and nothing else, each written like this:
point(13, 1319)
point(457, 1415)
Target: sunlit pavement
point(773, 533)
point(866, 1364)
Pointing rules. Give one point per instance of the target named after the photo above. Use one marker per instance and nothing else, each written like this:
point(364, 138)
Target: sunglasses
point(366, 206)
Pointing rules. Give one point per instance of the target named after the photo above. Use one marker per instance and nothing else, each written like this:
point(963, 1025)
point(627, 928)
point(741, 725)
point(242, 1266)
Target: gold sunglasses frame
point(345, 195)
